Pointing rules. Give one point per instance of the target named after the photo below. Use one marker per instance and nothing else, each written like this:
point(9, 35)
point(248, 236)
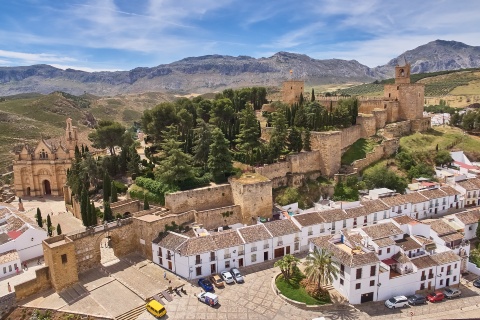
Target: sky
point(94, 35)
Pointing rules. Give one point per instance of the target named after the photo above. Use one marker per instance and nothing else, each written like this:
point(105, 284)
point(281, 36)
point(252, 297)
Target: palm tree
point(287, 265)
point(320, 268)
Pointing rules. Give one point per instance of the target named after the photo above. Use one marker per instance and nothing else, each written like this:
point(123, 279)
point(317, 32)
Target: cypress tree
point(84, 206)
point(107, 212)
point(294, 140)
point(59, 229)
point(306, 141)
point(49, 225)
point(77, 153)
point(114, 192)
point(39, 218)
point(220, 158)
point(93, 214)
point(107, 187)
point(313, 95)
point(146, 206)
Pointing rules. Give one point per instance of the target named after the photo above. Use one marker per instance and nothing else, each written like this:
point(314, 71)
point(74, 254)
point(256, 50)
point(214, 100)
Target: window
point(375, 218)
point(227, 264)
point(10, 268)
point(373, 270)
point(422, 286)
point(441, 270)
point(198, 271)
point(342, 270)
point(4, 269)
point(405, 206)
point(297, 246)
point(64, 258)
point(310, 231)
point(160, 254)
point(388, 250)
point(455, 266)
point(441, 282)
point(254, 257)
point(341, 281)
point(454, 278)
point(470, 228)
point(358, 286)
point(359, 273)
point(161, 260)
point(385, 214)
point(379, 252)
point(344, 223)
point(372, 283)
point(15, 266)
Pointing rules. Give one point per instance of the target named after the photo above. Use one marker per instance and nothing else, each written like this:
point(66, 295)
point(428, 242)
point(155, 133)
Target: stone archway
point(47, 190)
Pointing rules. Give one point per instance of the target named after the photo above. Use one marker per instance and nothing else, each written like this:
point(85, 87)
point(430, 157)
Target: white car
point(227, 277)
point(396, 302)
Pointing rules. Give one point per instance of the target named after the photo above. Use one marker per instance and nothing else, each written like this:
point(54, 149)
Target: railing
point(213, 258)
point(253, 249)
point(241, 253)
point(198, 261)
point(227, 255)
point(436, 204)
point(279, 243)
point(423, 278)
point(321, 231)
point(311, 232)
point(169, 257)
point(266, 246)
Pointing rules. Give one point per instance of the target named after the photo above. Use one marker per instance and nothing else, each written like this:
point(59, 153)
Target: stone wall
point(329, 145)
point(411, 97)
point(291, 91)
point(390, 146)
point(367, 123)
point(367, 107)
point(33, 286)
point(380, 118)
point(350, 135)
point(275, 170)
point(199, 199)
point(126, 206)
point(219, 217)
point(60, 257)
point(421, 125)
point(398, 129)
point(370, 158)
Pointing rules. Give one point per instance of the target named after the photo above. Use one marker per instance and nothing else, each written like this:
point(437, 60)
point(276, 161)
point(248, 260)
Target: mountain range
point(216, 72)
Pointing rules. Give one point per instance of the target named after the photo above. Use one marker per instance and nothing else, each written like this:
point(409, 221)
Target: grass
point(293, 290)
point(306, 195)
point(358, 150)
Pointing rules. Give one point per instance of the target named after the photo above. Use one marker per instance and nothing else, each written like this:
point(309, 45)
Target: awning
point(389, 262)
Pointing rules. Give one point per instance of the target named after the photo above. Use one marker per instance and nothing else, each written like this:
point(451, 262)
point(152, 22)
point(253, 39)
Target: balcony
point(310, 233)
point(266, 246)
point(198, 261)
point(241, 253)
point(436, 204)
point(449, 272)
point(169, 257)
point(253, 249)
point(430, 276)
point(227, 255)
point(213, 258)
point(280, 243)
point(423, 278)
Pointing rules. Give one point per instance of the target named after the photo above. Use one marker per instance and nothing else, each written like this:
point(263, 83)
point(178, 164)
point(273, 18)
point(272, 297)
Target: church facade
point(42, 170)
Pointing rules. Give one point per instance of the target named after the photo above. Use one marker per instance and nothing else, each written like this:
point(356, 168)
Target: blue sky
point(95, 35)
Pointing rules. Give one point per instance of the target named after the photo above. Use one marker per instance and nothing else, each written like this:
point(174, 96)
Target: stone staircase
point(131, 314)
point(73, 293)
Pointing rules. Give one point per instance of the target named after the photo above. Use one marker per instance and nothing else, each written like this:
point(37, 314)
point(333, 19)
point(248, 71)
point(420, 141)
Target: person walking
point(164, 274)
point(9, 288)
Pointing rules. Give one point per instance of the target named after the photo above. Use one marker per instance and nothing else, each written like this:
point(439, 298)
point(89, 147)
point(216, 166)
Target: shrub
point(312, 289)
point(289, 195)
point(121, 188)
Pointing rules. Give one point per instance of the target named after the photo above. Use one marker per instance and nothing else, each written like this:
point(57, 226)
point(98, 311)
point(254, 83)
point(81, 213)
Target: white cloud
point(30, 58)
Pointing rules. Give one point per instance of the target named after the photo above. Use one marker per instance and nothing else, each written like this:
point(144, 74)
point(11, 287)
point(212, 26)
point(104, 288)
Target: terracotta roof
point(348, 259)
point(423, 240)
point(14, 223)
point(395, 200)
point(433, 194)
point(308, 219)
point(356, 212)
point(353, 238)
point(469, 217)
point(332, 215)
point(445, 257)
point(382, 230)
point(3, 212)
point(170, 241)
point(254, 233)
point(424, 262)
point(403, 220)
point(194, 246)
point(408, 243)
point(227, 239)
point(372, 206)
point(4, 238)
point(400, 257)
point(415, 197)
point(475, 181)
point(467, 185)
point(384, 242)
point(452, 237)
point(440, 227)
point(449, 190)
point(280, 228)
point(9, 256)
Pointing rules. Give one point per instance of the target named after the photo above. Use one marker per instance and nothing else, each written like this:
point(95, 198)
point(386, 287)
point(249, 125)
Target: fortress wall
point(254, 198)
point(369, 105)
point(380, 118)
point(219, 217)
point(390, 146)
point(398, 129)
point(351, 134)
point(122, 207)
point(421, 125)
point(40, 283)
point(274, 170)
point(370, 158)
point(291, 91)
point(329, 145)
point(304, 162)
point(366, 122)
point(390, 91)
point(199, 199)
point(411, 99)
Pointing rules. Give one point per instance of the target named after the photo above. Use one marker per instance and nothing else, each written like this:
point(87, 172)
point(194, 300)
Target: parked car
point(476, 283)
point(435, 296)
point(396, 302)
point(417, 299)
point(450, 293)
point(205, 284)
point(237, 275)
point(217, 281)
point(227, 277)
point(208, 298)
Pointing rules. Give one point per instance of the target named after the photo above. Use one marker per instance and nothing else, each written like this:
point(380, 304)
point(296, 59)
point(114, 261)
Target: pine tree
point(59, 229)
point(247, 140)
point(279, 135)
point(84, 206)
point(114, 197)
point(49, 225)
point(313, 95)
point(300, 117)
point(294, 141)
point(107, 187)
point(201, 145)
point(220, 158)
point(306, 141)
point(39, 218)
point(146, 205)
point(107, 212)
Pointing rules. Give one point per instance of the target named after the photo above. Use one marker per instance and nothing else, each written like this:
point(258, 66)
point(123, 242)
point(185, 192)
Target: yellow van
point(156, 308)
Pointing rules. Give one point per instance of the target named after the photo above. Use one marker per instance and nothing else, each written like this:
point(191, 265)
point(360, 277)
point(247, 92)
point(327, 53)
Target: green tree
point(279, 135)
point(107, 212)
point(222, 113)
point(247, 140)
point(134, 161)
point(380, 177)
point(300, 117)
point(443, 157)
point(107, 187)
point(157, 119)
point(320, 268)
point(108, 134)
point(201, 145)
point(346, 191)
point(49, 225)
point(306, 140)
point(287, 265)
point(59, 229)
point(92, 220)
point(404, 160)
point(84, 206)
point(220, 158)
point(39, 218)
point(421, 170)
point(477, 232)
point(313, 95)
point(114, 197)
point(294, 142)
point(146, 206)
point(175, 166)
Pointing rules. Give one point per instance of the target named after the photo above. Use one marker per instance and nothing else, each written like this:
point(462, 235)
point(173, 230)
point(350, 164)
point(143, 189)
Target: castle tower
point(402, 73)
point(71, 137)
point(292, 90)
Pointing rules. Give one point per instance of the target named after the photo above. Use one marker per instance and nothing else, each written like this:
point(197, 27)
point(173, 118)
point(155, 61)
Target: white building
point(258, 243)
point(311, 225)
point(470, 188)
point(9, 263)
point(468, 220)
point(285, 237)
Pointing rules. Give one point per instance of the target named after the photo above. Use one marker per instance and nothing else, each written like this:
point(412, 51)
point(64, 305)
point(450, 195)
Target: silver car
point(237, 275)
point(452, 293)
